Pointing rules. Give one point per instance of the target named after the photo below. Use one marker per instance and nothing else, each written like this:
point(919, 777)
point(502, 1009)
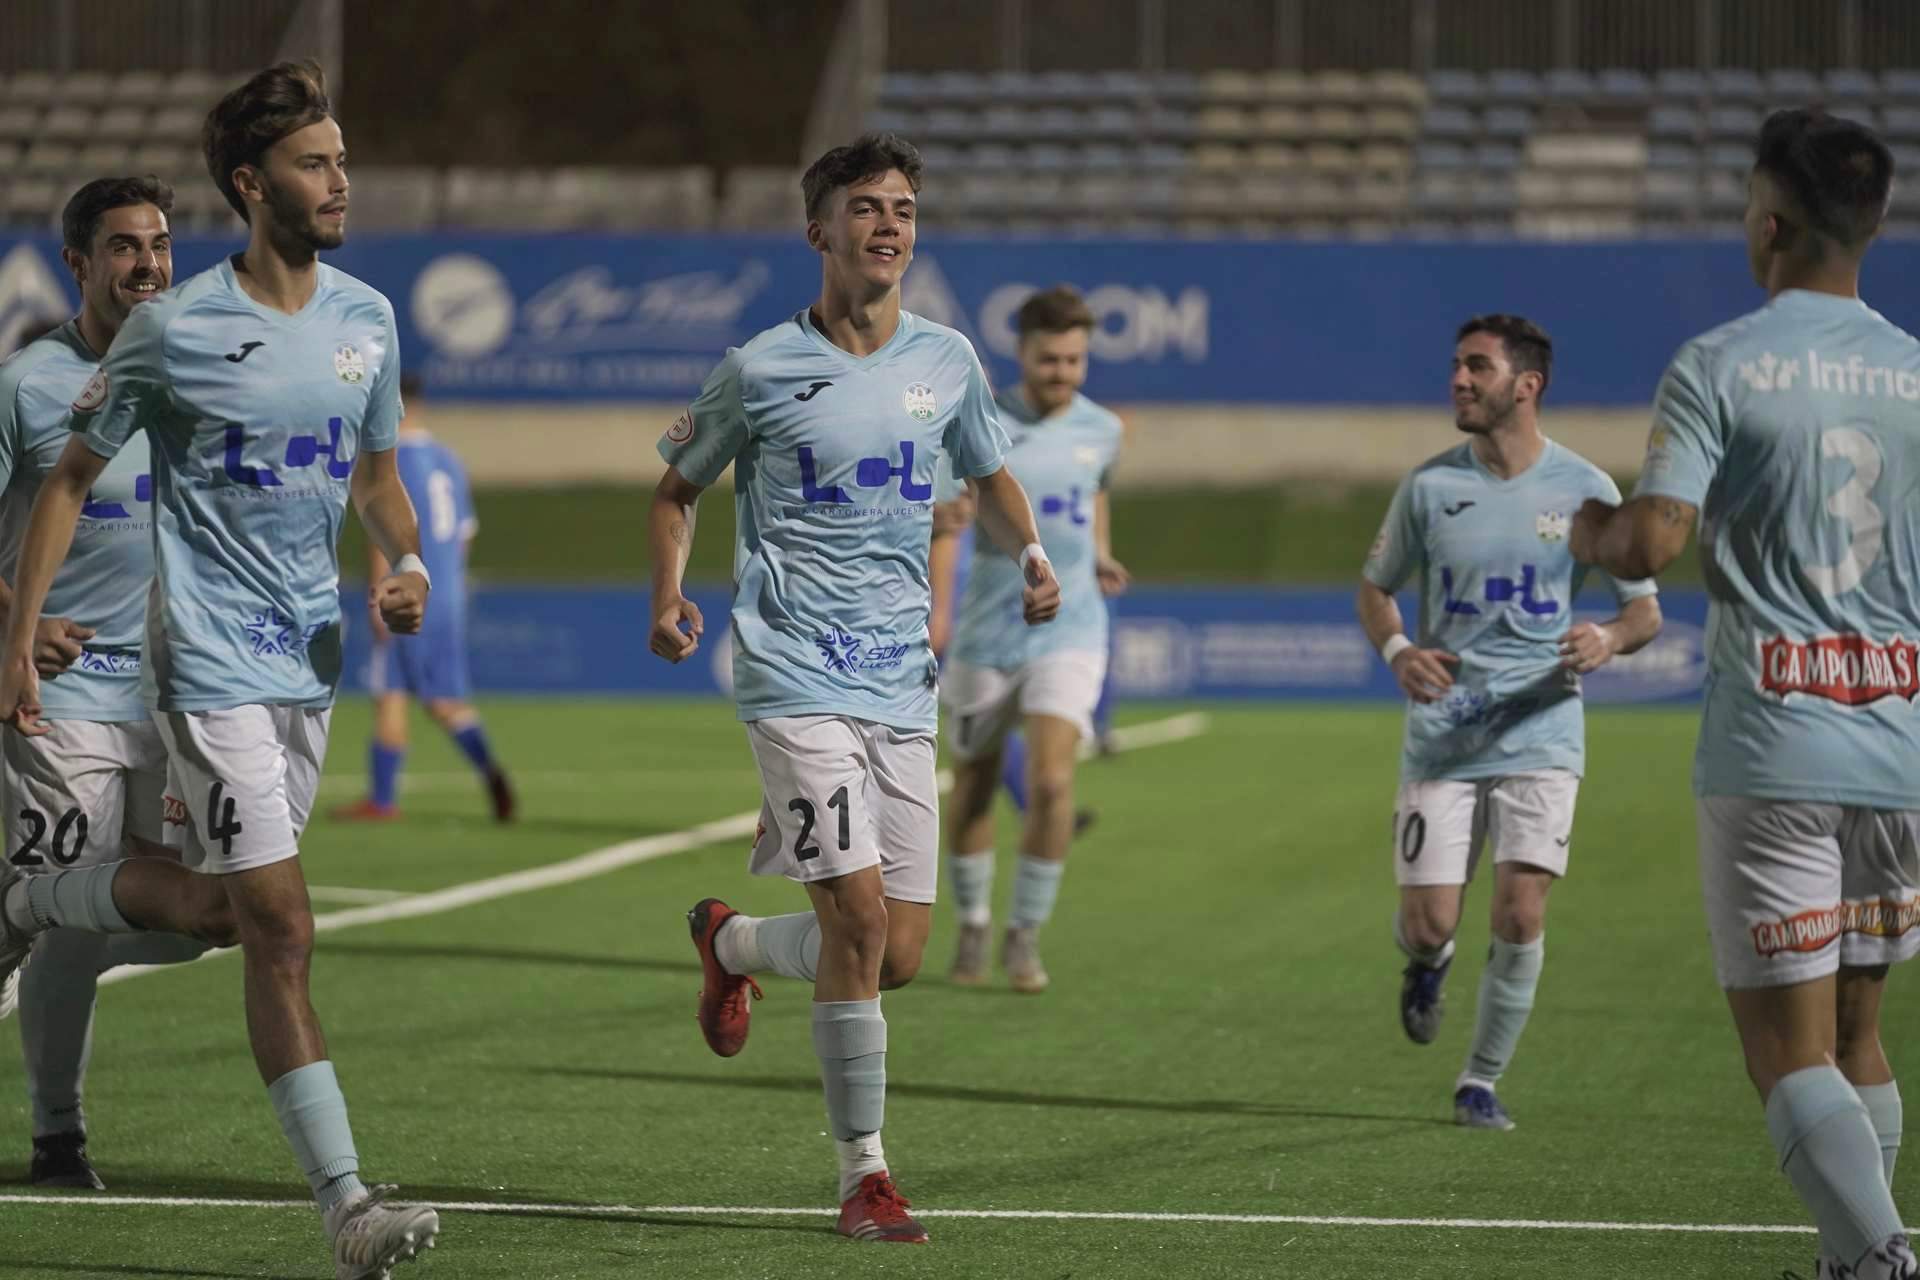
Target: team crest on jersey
point(347, 362)
point(94, 394)
point(682, 429)
point(920, 402)
point(1551, 526)
point(1086, 455)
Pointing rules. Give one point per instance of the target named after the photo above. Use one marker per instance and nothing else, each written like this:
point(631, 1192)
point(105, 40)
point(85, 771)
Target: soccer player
point(1496, 738)
point(101, 772)
point(269, 386)
point(834, 422)
point(1792, 436)
point(431, 666)
point(1000, 672)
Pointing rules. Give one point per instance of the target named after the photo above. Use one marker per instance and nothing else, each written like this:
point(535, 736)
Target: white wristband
point(1032, 551)
point(1396, 643)
point(411, 563)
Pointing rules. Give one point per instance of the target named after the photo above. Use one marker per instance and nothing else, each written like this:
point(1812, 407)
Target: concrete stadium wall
point(1168, 446)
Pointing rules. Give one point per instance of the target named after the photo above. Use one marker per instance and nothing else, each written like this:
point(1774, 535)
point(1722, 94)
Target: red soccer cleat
point(365, 811)
point(878, 1212)
point(500, 796)
point(724, 1009)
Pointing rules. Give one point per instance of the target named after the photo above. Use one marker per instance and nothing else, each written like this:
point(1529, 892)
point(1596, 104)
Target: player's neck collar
point(872, 358)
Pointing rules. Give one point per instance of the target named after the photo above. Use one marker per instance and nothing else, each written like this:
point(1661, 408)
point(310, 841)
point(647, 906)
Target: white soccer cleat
point(970, 956)
point(1020, 957)
point(370, 1237)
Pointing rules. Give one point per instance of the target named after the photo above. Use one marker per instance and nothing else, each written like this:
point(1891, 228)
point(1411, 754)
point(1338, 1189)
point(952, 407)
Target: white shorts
point(986, 702)
point(74, 793)
point(1795, 889)
point(247, 776)
point(839, 795)
point(1441, 825)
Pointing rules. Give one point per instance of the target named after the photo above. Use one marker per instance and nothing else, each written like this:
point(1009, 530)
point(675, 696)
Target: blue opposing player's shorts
point(429, 666)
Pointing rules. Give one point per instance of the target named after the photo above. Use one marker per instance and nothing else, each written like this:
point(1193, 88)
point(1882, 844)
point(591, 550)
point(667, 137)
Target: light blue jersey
point(255, 418)
point(834, 458)
point(1497, 585)
point(104, 581)
point(1796, 432)
point(1062, 462)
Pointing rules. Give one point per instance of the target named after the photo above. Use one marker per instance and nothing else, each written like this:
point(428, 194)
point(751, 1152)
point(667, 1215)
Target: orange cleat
point(724, 1008)
point(365, 811)
point(878, 1212)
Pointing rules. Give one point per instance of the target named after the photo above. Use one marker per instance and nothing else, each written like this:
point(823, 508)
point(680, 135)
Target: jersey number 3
point(1852, 503)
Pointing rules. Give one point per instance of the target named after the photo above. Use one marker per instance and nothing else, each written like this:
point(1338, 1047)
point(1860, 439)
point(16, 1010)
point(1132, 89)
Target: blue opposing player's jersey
point(834, 458)
point(104, 580)
point(1796, 432)
point(255, 419)
point(1062, 462)
point(1497, 585)
point(443, 501)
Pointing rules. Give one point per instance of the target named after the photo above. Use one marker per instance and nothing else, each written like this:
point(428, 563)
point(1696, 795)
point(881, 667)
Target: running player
point(431, 666)
point(1792, 435)
point(270, 388)
point(999, 673)
point(101, 773)
point(834, 422)
point(1496, 735)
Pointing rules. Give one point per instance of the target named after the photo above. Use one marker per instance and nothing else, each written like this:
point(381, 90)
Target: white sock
point(972, 876)
point(858, 1157)
point(737, 946)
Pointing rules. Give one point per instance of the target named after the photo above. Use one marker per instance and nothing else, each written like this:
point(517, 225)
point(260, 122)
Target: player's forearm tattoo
point(678, 532)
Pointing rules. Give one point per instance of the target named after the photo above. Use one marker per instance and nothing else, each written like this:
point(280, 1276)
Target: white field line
point(1017, 1215)
point(336, 893)
point(615, 857)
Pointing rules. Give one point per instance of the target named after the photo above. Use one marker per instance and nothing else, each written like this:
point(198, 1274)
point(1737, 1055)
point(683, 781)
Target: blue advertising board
point(1171, 644)
point(612, 318)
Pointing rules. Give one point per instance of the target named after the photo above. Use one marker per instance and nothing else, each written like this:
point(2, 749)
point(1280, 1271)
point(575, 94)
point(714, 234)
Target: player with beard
point(269, 387)
point(1496, 739)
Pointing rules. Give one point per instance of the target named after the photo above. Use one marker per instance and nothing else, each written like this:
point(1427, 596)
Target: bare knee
point(280, 938)
point(898, 968)
point(1051, 789)
point(858, 924)
point(1428, 923)
point(215, 924)
point(1519, 921)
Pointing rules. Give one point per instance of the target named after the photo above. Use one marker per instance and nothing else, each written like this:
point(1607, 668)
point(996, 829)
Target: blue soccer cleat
point(1475, 1107)
point(1422, 1001)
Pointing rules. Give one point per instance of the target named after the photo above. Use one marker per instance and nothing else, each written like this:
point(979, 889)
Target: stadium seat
point(1331, 158)
point(1050, 157)
point(33, 88)
point(167, 160)
point(1670, 192)
point(1221, 121)
point(1236, 87)
point(31, 201)
point(1848, 83)
point(1335, 88)
point(1569, 84)
point(1219, 156)
point(67, 124)
point(1513, 86)
point(896, 120)
point(1060, 124)
point(1272, 157)
point(1735, 85)
point(1673, 155)
point(46, 158)
point(1159, 157)
point(1538, 188)
point(103, 157)
point(1288, 87)
point(1276, 121)
point(1003, 121)
point(948, 124)
point(1900, 86)
point(1337, 123)
point(1679, 84)
point(903, 87)
point(121, 122)
point(1103, 157)
point(182, 124)
point(1396, 122)
point(1448, 122)
point(1063, 87)
point(1386, 158)
point(1512, 123)
point(1901, 124)
point(1795, 85)
point(1673, 122)
point(1455, 86)
point(1442, 157)
point(197, 90)
point(85, 88)
point(1496, 157)
point(1733, 122)
point(1123, 86)
point(1397, 88)
point(1729, 157)
point(956, 89)
point(1169, 124)
point(1111, 122)
point(1176, 88)
point(1621, 86)
point(20, 123)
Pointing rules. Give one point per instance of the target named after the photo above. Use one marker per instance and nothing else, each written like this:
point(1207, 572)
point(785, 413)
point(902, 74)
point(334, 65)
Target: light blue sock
point(1506, 1001)
point(78, 899)
point(1013, 769)
point(850, 1038)
point(1885, 1112)
point(313, 1115)
point(789, 945)
point(1035, 887)
point(152, 948)
point(1828, 1150)
point(972, 877)
point(56, 1025)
